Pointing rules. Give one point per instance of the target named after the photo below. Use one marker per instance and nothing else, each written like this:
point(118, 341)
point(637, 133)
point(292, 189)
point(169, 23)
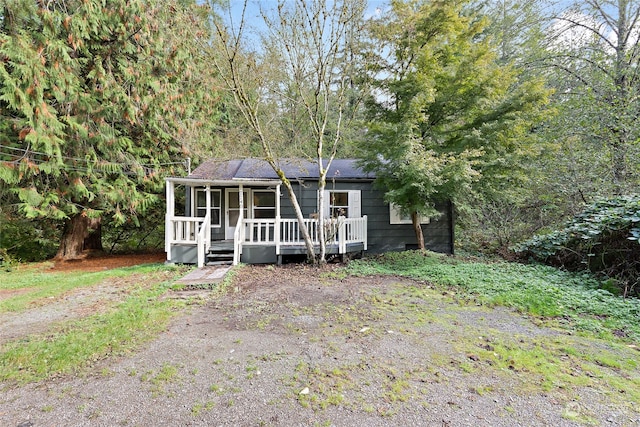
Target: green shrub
point(27, 240)
point(604, 238)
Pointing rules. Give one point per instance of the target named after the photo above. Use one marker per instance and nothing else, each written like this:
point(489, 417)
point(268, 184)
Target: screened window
point(338, 204)
point(264, 204)
point(201, 205)
point(396, 216)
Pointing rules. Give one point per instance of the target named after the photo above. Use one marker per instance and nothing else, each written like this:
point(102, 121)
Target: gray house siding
point(382, 235)
point(344, 175)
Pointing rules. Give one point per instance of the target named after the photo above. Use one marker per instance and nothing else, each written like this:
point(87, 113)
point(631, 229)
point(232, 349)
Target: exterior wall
point(382, 235)
point(184, 254)
point(259, 255)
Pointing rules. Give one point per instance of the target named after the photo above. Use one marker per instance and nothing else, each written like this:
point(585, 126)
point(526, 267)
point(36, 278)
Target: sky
point(255, 21)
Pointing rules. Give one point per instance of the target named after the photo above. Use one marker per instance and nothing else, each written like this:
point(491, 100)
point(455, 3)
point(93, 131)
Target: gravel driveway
point(294, 346)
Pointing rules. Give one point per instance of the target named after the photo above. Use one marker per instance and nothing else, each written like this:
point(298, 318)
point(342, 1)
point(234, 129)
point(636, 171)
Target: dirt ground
point(106, 261)
point(297, 346)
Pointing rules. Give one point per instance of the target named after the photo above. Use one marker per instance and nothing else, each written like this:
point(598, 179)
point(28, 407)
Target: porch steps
point(219, 256)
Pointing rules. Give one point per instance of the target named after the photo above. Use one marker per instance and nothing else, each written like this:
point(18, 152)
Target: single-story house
point(239, 211)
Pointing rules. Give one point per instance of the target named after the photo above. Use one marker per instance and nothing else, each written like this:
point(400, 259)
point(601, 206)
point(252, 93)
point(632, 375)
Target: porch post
point(276, 230)
point(238, 236)
point(168, 220)
point(207, 234)
point(208, 198)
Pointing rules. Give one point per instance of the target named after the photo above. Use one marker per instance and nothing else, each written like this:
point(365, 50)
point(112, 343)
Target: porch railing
point(190, 231)
point(183, 229)
point(340, 231)
point(203, 239)
point(263, 232)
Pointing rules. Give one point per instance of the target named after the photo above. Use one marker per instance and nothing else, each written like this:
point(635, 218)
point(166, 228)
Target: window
point(338, 204)
point(397, 217)
point(342, 203)
point(264, 204)
point(201, 205)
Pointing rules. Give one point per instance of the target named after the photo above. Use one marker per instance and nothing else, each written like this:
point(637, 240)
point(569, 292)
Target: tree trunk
point(415, 219)
point(296, 207)
point(80, 234)
point(321, 219)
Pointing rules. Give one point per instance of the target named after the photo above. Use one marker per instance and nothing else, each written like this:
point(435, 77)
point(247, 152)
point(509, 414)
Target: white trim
point(354, 203)
point(208, 194)
point(229, 229)
point(224, 182)
point(396, 217)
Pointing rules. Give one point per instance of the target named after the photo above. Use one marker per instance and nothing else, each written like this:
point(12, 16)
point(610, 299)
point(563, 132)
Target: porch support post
point(238, 236)
point(276, 227)
point(207, 234)
point(168, 220)
point(208, 198)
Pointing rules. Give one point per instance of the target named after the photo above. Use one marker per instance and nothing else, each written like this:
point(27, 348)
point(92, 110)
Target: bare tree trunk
point(415, 219)
point(321, 219)
point(311, 255)
point(80, 234)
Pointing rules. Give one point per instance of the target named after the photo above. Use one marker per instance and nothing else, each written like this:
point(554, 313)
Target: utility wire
point(99, 168)
point(27, 151)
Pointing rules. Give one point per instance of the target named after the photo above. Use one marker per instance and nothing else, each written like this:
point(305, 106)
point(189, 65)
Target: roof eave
point(223, 182)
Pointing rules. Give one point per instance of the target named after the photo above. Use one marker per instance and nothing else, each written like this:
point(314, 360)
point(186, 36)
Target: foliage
point(92, 100)
point(27, 240)
point(592, 54)
point(147, 235)
point(296, 90)
point(604, 238)
point(447, 117)
point(575, 301)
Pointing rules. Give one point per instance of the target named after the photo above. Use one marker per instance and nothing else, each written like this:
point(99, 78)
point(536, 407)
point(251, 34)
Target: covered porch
point(242, 218)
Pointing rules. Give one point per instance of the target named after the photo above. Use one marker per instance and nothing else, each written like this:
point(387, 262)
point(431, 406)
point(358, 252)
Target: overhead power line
point(81, 165)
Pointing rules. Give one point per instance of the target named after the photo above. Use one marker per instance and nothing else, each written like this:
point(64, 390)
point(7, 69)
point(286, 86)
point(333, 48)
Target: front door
point(232, 204)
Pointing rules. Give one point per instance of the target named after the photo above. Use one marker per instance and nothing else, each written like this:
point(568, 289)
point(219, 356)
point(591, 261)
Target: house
point(239, 211)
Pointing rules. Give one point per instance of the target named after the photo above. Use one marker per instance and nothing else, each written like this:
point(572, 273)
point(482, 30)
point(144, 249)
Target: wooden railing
point(265, 232)
point(291, 233)
point(259, 231)
point(183, 229)
point(203, 240)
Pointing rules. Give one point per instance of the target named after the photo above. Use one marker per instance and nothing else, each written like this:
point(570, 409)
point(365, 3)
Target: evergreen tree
point(96, 100)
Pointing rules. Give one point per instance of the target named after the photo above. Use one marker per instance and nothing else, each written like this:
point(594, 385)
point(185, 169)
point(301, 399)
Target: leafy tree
point(516, 27)
point(93, 96)
point(296, 91)
point(594, 52)
point(446, 115)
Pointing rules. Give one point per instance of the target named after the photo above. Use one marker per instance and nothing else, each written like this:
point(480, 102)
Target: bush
point(27, 240)
point(604, 238)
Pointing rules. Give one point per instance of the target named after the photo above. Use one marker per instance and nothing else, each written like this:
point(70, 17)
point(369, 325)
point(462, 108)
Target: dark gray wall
point(383, 236)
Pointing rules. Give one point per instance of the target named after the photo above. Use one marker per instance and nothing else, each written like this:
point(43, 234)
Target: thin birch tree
point(304, 61)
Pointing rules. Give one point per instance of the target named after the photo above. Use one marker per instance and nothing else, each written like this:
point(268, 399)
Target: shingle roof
point(293, 168)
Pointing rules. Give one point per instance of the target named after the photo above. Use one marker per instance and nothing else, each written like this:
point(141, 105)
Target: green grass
point(37, 285)
point(73, 345)
point(574, 301)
